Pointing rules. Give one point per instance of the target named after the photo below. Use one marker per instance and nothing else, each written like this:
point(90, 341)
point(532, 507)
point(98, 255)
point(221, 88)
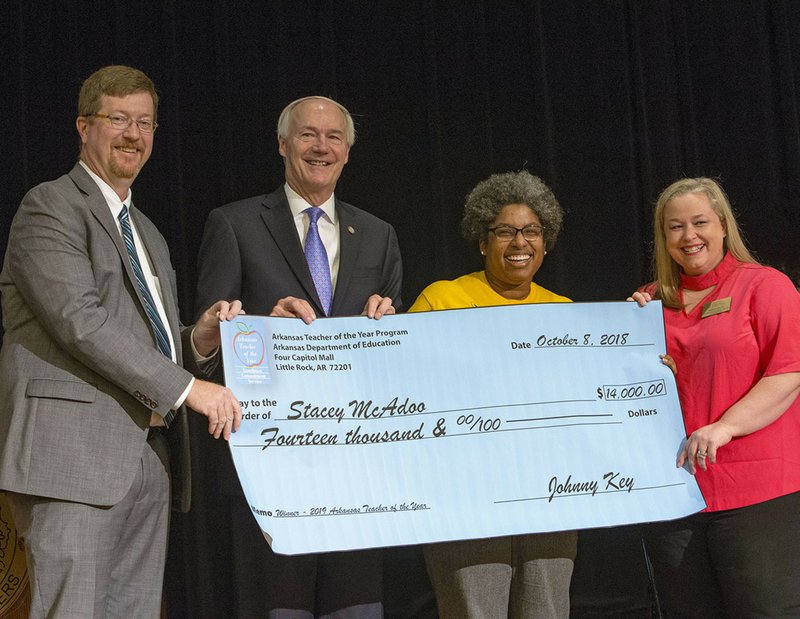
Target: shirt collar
point(112, 199)
point(297, 204)
point(716, 275)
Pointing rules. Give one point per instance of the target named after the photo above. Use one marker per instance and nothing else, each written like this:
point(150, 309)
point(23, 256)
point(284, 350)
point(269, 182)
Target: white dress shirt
point(115, 206)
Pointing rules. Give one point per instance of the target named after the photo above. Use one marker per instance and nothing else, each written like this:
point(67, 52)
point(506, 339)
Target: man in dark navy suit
point(259, 250)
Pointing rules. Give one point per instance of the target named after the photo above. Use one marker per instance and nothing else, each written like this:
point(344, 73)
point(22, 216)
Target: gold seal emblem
point(14, 586)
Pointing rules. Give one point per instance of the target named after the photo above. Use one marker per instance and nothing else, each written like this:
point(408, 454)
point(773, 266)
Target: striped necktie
point(162, 339)
point(317, 259)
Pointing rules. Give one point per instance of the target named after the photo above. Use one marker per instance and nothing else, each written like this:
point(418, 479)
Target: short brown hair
point(114, 81)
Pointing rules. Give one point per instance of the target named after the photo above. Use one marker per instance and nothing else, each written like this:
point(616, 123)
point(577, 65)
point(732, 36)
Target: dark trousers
point(340, 585)
point(741, 562)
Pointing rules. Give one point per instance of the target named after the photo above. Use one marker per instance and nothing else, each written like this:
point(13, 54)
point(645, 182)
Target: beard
point(121, 170)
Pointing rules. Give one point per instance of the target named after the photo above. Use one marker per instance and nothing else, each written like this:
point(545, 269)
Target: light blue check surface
point(506, 420)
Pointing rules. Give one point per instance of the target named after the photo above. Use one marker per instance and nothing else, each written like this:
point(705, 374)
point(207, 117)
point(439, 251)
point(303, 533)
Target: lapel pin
point(351, 230)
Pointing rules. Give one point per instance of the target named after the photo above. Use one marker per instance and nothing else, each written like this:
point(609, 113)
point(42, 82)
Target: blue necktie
point(317, 259)
point(162, 340)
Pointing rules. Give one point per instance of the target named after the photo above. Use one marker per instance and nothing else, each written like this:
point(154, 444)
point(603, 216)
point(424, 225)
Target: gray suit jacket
point(79, 367)
point(251, 251)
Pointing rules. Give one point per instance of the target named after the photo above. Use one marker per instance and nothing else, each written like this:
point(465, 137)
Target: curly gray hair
point(490, 196)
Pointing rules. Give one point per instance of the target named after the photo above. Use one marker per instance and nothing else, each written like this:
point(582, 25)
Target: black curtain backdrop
point(608, 101)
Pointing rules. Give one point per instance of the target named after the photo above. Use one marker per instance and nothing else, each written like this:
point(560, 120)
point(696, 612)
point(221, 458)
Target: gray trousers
point(99, 562)
point(516, 576)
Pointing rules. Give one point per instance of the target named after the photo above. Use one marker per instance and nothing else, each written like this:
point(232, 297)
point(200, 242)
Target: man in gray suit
point(258, 250)
point(91, 386)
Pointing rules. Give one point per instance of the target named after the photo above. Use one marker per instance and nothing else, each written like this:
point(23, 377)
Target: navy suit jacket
point(251, 251)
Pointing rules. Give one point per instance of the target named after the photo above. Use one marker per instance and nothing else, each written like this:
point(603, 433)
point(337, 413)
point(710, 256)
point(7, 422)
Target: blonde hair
point(667, 271)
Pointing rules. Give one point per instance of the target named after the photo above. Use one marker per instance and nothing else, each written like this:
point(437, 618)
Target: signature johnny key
point(611, 482)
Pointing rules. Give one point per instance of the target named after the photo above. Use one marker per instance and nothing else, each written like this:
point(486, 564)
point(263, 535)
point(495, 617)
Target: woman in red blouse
point(733, 328)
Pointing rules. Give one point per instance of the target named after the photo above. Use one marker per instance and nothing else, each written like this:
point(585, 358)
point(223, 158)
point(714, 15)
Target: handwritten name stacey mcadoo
point(614, 482)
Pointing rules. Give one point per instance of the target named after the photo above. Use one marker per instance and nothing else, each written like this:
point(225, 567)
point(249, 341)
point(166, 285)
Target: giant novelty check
point(455, 424)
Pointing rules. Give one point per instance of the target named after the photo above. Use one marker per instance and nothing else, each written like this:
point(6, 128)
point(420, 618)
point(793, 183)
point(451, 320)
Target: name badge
point(720, 306)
